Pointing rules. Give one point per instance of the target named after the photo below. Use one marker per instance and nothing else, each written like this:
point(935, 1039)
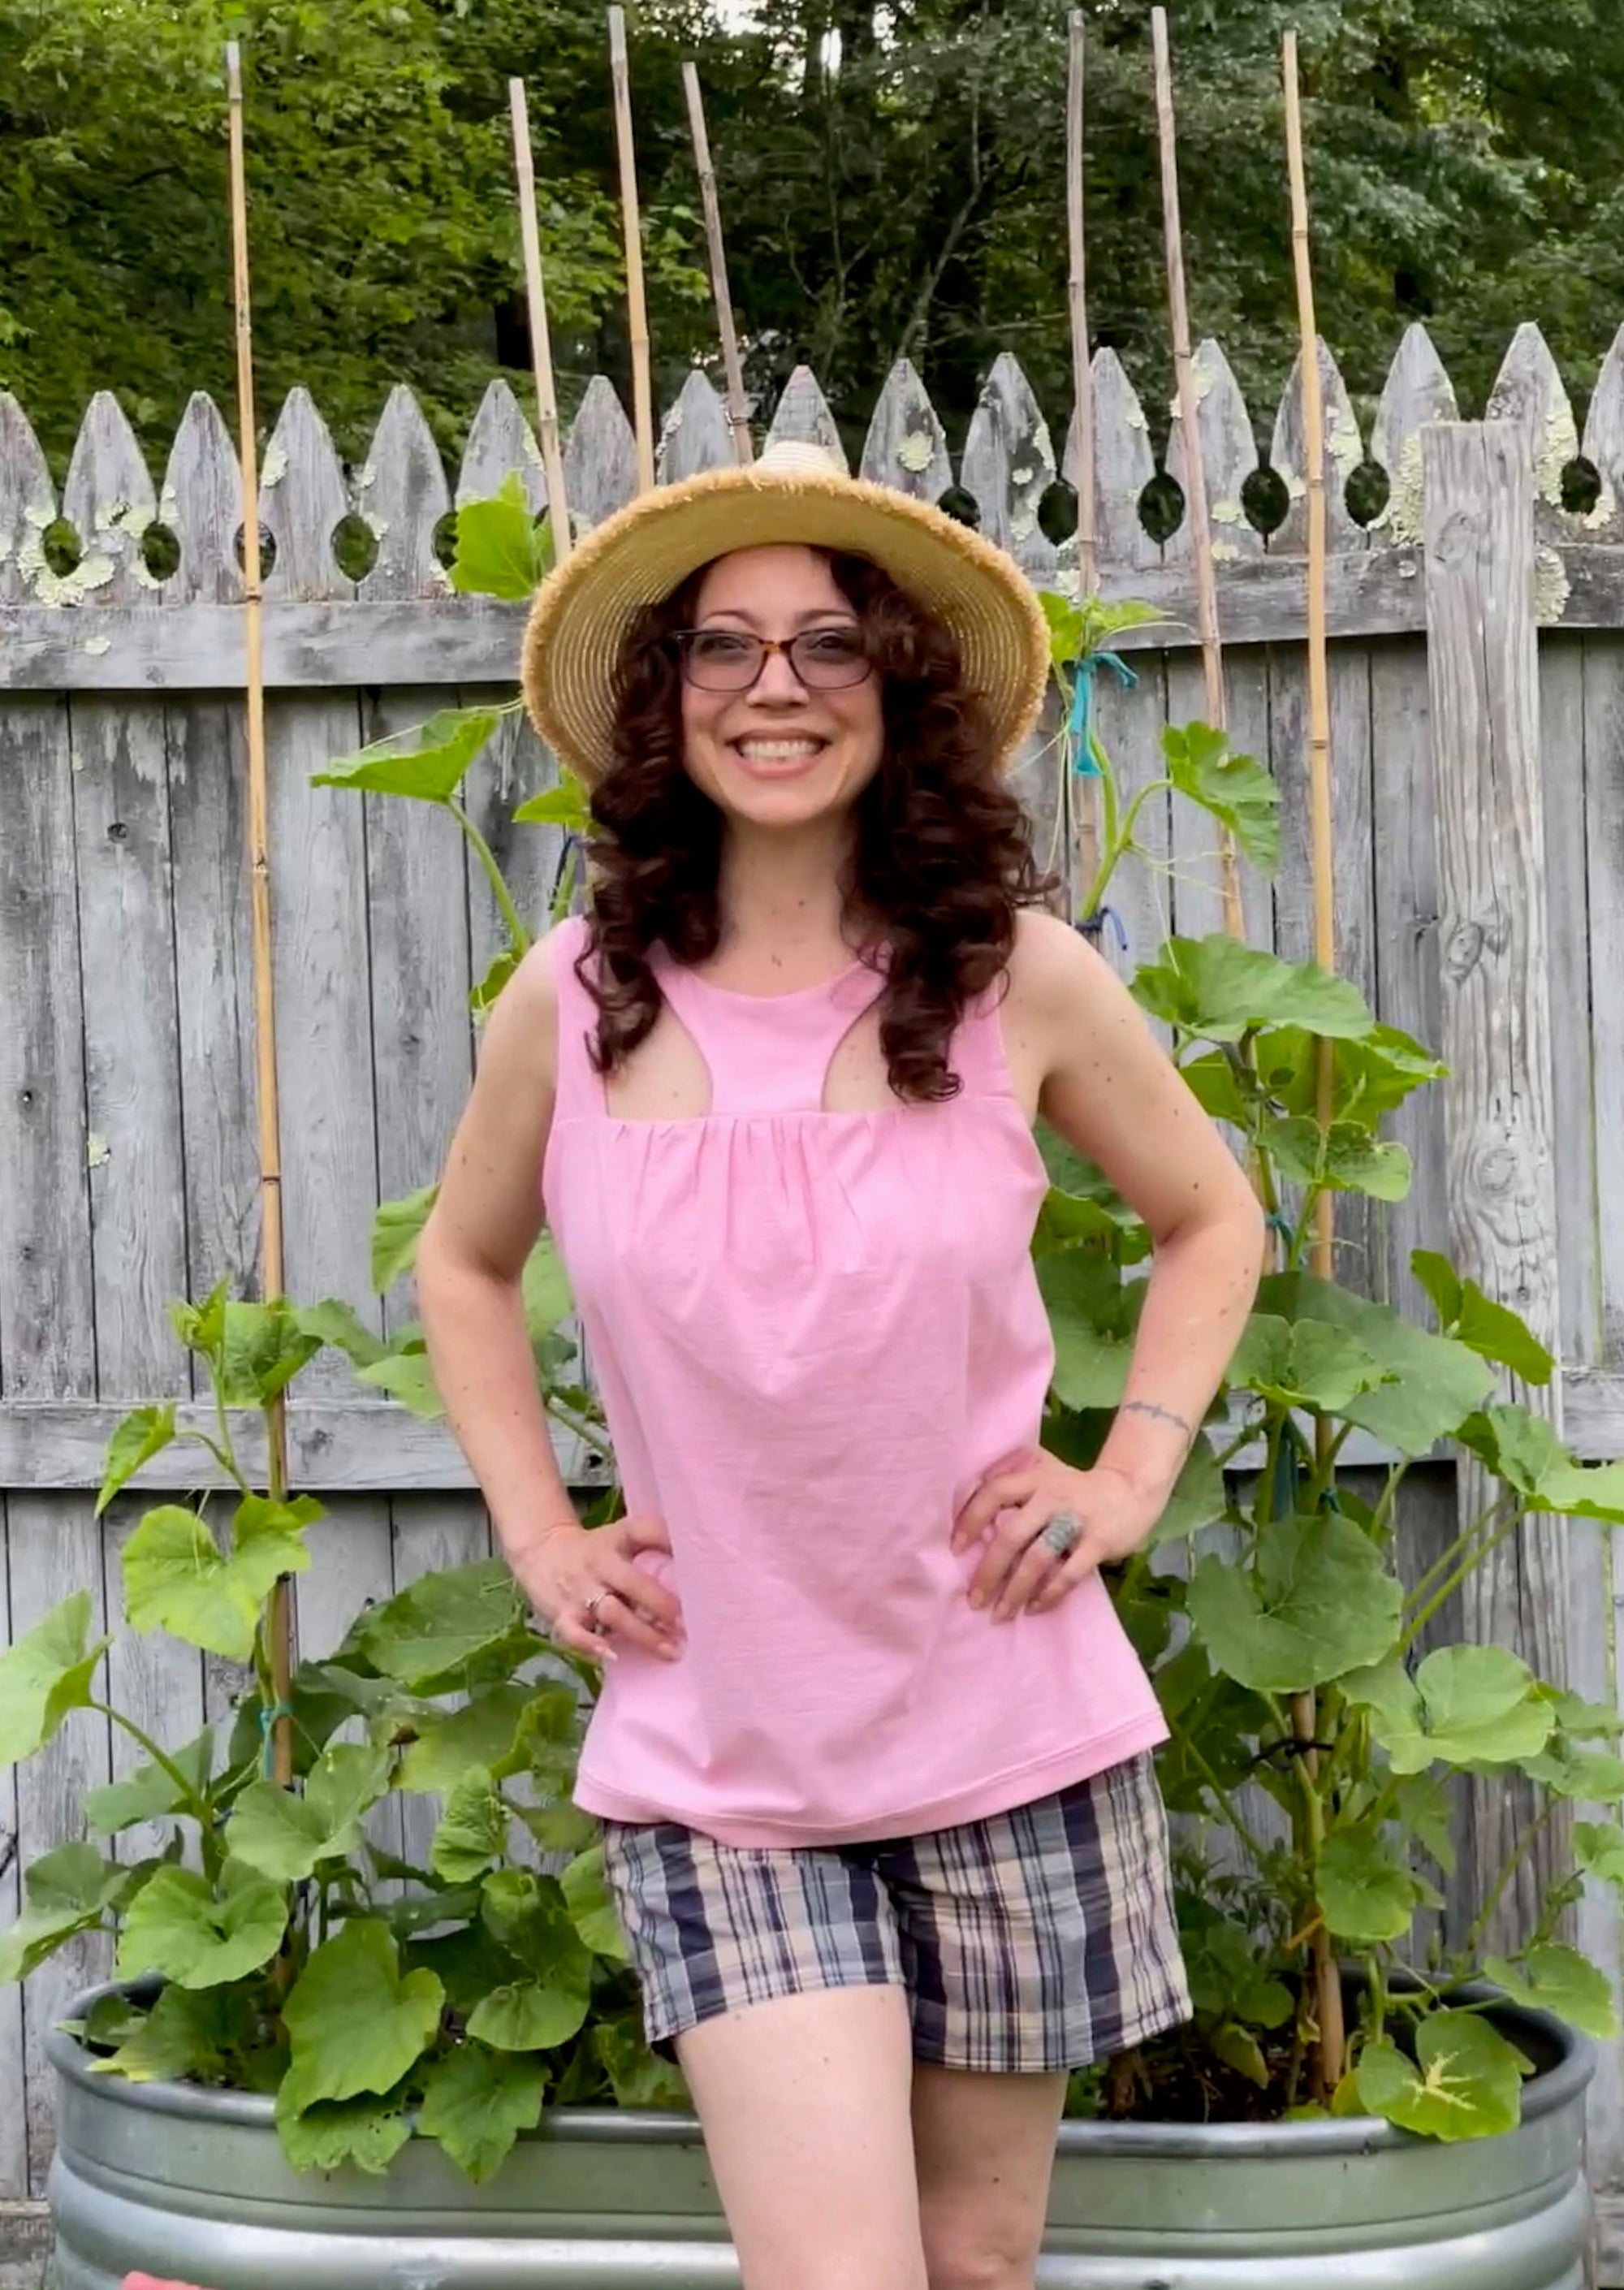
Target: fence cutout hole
point(160, 552)
point(267, 550)
point(1160, 507)
point(1367, 493)
point(444, 540)
point(62, 547)
point(1266, 501)
point(959, 504)
point(1582, 486)
point(355, 545)
point(1057, 512)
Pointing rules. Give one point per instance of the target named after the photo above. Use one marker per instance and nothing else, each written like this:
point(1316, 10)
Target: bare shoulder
point(1055, 976)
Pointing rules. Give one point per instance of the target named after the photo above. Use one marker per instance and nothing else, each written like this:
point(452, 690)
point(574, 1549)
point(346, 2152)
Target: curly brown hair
point(941, 862)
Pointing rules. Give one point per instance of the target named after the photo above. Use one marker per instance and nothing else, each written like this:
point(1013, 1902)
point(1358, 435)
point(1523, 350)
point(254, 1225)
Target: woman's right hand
point(583, 1583)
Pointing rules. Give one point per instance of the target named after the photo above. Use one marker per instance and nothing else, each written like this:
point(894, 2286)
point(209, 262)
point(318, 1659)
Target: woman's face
point(781, 754)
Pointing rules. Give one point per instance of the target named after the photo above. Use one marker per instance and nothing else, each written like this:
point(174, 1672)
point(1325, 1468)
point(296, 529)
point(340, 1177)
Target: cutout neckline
point(668, 964)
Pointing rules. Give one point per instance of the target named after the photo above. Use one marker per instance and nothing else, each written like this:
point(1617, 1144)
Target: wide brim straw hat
point(794, 493)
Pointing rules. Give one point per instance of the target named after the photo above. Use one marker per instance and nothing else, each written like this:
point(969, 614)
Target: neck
point(782, 892)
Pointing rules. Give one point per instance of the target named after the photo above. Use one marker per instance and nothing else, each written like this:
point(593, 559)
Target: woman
point(873, 1753)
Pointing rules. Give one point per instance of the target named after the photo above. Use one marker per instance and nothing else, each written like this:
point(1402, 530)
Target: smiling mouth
point(781, 754)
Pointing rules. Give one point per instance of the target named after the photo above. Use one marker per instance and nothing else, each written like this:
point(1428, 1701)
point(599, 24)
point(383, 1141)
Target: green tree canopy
point(891, 180)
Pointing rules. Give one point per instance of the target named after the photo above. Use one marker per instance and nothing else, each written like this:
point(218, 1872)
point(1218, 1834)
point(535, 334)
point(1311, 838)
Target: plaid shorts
point(1040, 1939)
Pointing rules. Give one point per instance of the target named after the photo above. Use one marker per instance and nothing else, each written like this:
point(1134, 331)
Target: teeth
point(777, 751)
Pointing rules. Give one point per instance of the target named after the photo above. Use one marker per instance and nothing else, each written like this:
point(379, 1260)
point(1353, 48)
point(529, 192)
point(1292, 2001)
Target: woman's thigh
point(984, 2150)
point(806, 2105)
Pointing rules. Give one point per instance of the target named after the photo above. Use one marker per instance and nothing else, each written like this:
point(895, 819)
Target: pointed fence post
point(1494, 932)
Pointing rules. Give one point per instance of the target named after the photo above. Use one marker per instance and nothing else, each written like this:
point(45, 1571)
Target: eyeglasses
point(728, 660)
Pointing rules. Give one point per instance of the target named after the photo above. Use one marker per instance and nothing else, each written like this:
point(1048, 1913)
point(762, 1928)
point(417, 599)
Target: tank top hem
point(1018, 1785)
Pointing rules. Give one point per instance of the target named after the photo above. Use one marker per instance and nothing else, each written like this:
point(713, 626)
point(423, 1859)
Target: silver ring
point(1063, 1534)
point(589, 1606)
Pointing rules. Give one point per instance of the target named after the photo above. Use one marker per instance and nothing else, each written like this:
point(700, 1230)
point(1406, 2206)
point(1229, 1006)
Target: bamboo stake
point(738, 411)
point(643, 397)
point(1328, 1987)
point(1201, 532)
point(280, 1622)
point(540, 339)
point(1085, 791)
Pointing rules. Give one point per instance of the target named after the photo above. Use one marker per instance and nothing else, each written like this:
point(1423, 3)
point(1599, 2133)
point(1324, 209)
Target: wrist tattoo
point(1165, 1415)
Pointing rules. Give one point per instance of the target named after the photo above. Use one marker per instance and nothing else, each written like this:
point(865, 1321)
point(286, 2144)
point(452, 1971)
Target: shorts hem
point(1062, 2059)
point(662, 2030)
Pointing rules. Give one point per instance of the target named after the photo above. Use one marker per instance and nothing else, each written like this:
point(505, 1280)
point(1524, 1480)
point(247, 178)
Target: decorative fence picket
point(126, 1130)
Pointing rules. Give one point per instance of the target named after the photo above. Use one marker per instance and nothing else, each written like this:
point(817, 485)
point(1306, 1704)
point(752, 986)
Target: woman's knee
point(965, 2251)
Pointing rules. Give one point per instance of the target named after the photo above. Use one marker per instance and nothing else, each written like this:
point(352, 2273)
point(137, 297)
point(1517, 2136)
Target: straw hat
point(793, 494)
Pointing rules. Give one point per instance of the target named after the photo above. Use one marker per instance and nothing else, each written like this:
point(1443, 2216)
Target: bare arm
point(469, 1273)
point(1105, 1083)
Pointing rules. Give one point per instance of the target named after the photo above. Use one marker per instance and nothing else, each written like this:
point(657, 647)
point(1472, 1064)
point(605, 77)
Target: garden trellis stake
point(636, 304)
point(541, 338)
point(738, 409)
point(1081, 785)
point(1327, 1979)
point(280, 1618)
point(1194, 470)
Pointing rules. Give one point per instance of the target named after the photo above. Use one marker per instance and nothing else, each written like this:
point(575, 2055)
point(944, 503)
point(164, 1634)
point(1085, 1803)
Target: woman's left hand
point(1021, 1496)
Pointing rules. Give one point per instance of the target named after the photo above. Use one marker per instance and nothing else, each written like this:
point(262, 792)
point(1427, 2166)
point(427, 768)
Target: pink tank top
point(814, 1333)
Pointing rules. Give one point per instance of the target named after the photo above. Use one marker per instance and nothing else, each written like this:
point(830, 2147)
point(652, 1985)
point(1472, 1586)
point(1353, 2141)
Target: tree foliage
point(891, 182)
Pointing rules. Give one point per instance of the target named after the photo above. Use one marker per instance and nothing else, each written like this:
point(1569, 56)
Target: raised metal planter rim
point(1352, 2134)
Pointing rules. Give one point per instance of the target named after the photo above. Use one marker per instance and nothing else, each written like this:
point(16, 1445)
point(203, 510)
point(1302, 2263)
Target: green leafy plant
point(1284, 1646)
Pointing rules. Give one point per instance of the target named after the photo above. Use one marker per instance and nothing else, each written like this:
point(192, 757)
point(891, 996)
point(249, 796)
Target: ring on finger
point(589, 1606)
point(1063, 1535)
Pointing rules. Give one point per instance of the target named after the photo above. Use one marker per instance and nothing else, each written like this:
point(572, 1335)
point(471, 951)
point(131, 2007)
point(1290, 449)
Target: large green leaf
point(1234, 788)
point(477, 2101)
point(397, 1229)
point(188, 2033)
point(546, 1287)
point(1366, 1892)
point(565, 805)
point(1229, 1976)
point(1319, 1602)
point(1466, 1705)
point(427, 762)
point(1370, 1074)
point(1570, 1770)
point(1302, 1364)
point(262, 1349)
point(150, 1793)
point(356, 2023)
point(1525, 1451)
point(1345, 1157)
point(44, 1674)
point(1197, 1498)
point(367, 2132)
point(144, 1433)
point(1552, 1978)
point(1092, 1314)
point(1466, 1313)
point(65, 1893)
point(406, 1375)
point(529, 2015)
point(1218, 989)
point(482, 1732)
point(639, 2078)
point(473, 1830)
point(179, 1926)
point(442, 1623)
point(501, 551)
point(1467, 2082)
point(1599, 1847)
point(1432, 1384)
point(177, 1577)
point(592, 1906)
point(283, 1836)
point(340, 1324)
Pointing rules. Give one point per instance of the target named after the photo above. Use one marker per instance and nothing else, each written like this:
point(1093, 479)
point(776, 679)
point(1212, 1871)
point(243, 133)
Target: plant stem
point(1441, 1565)
point(517, 931)
point(1513, 1862)
point(1442, 1597)
point(196, 1805)
point(1226, 1803)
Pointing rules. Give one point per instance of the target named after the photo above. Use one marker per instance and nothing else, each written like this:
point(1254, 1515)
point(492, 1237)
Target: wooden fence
point(1479, 832)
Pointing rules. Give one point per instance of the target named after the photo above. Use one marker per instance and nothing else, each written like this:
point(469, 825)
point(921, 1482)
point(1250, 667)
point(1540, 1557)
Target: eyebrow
point(843, 613)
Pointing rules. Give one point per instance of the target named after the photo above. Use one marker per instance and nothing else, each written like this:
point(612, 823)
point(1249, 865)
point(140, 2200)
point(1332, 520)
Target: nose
point(777, 680)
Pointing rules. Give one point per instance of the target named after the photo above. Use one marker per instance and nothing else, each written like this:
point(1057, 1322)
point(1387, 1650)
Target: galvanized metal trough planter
point(192, 2184)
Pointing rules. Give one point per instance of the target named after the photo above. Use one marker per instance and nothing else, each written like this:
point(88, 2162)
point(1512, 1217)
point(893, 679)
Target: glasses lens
point(825, 659)
point(721, 660)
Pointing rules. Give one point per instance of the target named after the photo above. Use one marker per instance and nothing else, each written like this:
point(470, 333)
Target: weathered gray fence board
point(1482, 662)
point(1403, 877)
point(1562, 751)
point(1605, 854)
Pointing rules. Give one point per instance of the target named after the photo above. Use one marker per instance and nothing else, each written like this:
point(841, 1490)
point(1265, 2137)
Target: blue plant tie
point(270, 1713)
point(1093, 926)
point(1080, 727)
point(1281, 1224)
